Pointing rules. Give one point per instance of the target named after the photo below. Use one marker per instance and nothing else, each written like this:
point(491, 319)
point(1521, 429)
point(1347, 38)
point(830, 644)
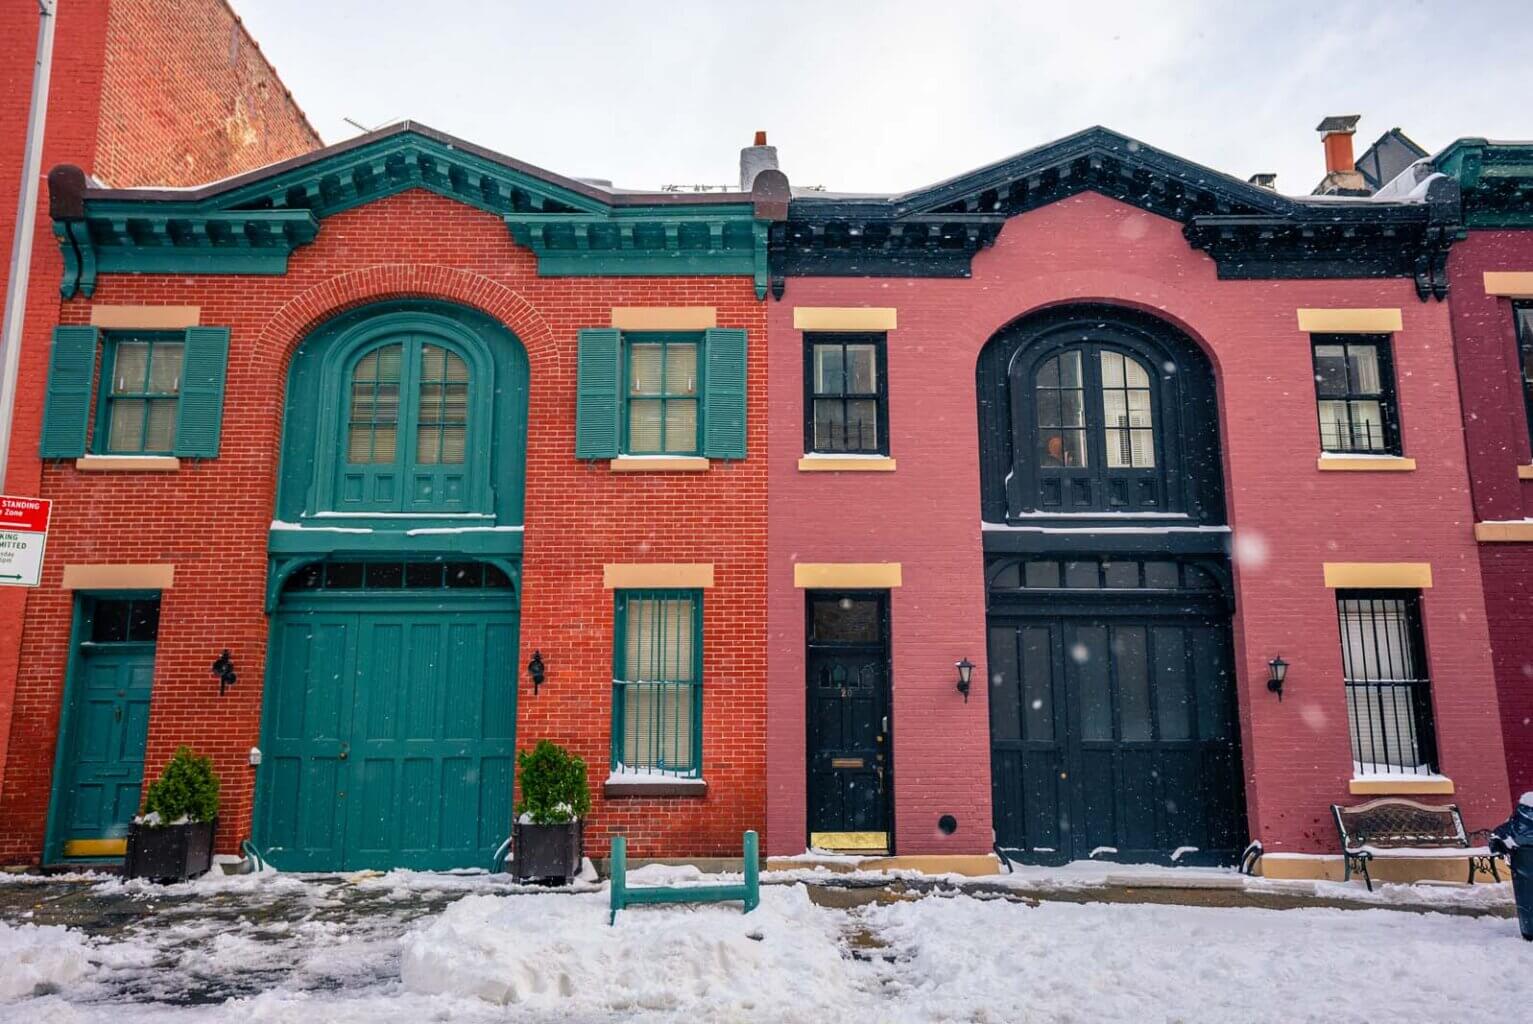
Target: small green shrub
point(187, 788)
point(554, 787)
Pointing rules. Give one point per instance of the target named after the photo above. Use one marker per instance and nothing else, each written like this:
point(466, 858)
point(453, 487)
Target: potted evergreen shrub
point(173, 839)
point(547, 839)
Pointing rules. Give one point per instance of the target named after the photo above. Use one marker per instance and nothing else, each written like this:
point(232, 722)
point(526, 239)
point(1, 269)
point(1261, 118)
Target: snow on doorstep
point(1527, 799)
point(557, 954)
point(36, 959)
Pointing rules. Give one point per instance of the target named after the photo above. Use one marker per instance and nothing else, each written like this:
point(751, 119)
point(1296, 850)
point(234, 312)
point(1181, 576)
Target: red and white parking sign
point(23, 535)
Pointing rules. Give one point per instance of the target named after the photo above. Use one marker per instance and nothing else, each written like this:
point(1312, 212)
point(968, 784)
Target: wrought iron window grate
point(1389, 701)
point(657, 683)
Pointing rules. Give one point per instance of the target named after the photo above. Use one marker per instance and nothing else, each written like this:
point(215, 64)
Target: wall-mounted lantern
point(223, 669)
point(1277, 671)
point(965, 673)
point(537, 670)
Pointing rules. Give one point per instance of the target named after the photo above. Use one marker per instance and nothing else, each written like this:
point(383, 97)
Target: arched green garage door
point(389, 728)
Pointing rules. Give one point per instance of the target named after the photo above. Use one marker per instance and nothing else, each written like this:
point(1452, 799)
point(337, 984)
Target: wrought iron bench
point(1395, 825)
point(748, 891)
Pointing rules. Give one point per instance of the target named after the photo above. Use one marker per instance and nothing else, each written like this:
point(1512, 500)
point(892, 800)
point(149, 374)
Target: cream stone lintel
point(849, 464)
point(128, 464)
point(1367, 575)
point(1513, 284)
point(1504, 533)
point(1405, 785)
point(658, 464)
point(848, 318)
point(145, 318)
point(846, 575)
point(1349, 321)
point(664, 318)
point(1365, 464)
point(658, 575)
point(119, 577)
point(1525, 472)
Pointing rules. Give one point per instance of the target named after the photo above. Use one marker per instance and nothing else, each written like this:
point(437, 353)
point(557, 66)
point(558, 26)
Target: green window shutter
point(66, 412)
point(200, 416)
point(724, 393)
point(598, 397)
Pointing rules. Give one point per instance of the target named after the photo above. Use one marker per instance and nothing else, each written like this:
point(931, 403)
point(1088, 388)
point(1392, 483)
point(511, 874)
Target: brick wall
point(926, 516)
point(188, 97)
point(211, 520)
point(1497, 436)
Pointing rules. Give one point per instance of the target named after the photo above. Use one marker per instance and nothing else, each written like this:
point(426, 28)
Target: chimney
point(756, 158)
point(1341, 174)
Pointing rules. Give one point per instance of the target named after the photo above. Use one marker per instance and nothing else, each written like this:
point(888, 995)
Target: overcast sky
point(862, 96)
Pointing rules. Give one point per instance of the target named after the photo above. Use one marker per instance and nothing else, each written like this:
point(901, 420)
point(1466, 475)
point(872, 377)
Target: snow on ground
point(420, 947)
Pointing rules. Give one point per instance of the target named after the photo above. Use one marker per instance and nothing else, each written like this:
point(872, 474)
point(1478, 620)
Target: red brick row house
point(1119, 510)
point(1491, 273)
point(449, 454)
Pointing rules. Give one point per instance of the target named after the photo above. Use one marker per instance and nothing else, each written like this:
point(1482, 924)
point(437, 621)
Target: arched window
point(406, 429)
point(1091, 410)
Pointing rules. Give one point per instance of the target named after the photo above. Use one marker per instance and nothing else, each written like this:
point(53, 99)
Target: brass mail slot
point(847, 762)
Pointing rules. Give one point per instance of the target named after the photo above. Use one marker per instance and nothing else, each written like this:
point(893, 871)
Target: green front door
point(106, 723)
point(389, 731)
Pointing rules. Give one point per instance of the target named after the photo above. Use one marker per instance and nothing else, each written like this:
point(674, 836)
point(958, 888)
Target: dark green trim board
point(251, 223)
point(66, 408)
point(1496, 179)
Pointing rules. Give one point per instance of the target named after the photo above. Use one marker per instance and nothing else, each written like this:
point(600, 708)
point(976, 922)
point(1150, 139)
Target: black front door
point(1114, 737)
point(849, 744)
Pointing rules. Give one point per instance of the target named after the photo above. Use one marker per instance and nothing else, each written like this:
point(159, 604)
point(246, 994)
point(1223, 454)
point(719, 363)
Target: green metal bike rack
point(748, 891)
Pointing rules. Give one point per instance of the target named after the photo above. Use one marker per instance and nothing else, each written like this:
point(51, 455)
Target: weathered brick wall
point(188, 97)
point(926, 516)
point(1496, 434)
point(211, 521)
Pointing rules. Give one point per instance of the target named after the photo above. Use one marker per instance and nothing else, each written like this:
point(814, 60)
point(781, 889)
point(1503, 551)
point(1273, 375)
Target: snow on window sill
point(640, 783)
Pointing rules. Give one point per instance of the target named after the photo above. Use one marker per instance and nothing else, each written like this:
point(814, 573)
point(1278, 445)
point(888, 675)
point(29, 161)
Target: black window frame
point(1387, 397)
point(1522, 327)
point(1421, 716)
point(880, 395)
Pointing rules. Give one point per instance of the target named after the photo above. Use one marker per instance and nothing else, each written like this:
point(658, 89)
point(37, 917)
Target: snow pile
point(555, 953)
point(1527, 799)
point(39, 958)
point(962, 958)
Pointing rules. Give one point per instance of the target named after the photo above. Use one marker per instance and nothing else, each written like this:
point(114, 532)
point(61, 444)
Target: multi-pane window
point(142, 393)
point(1389, 701)
point(1525, 360)
point(1059, 395)
point(847, 401)
point(657, 683)
point(380, 409)
point(1354, 389)
point(1126, 415)
point(662, 393)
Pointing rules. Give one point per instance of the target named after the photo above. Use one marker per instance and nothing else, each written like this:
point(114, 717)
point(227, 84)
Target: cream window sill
point(846, 464)
point(1365, 463)
point(1525, 472)
point(128, 464)
point(658, 464)
point(1376, 785)
point(652, 785)
point(1512, 531)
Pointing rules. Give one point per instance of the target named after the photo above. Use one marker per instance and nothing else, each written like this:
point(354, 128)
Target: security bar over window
point(1389, 699)
point(656, 690)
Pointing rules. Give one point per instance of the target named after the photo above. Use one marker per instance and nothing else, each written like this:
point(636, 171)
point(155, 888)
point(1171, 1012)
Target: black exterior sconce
point(965, 673)
point(1277, 671)
point(223, 668)
point(537, 670)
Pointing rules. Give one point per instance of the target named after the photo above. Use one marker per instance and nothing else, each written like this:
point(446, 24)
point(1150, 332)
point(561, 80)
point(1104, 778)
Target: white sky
point(861, 96)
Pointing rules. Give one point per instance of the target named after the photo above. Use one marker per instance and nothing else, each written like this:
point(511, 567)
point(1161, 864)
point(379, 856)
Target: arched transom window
point(407, 429)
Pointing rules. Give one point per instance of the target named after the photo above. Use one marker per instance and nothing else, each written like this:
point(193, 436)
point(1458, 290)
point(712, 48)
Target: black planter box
point(550, 853)
point(169, 853)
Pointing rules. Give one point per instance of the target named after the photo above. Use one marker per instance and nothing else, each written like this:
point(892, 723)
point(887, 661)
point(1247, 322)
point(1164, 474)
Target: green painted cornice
point(1496, 179)
point(251, 223)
